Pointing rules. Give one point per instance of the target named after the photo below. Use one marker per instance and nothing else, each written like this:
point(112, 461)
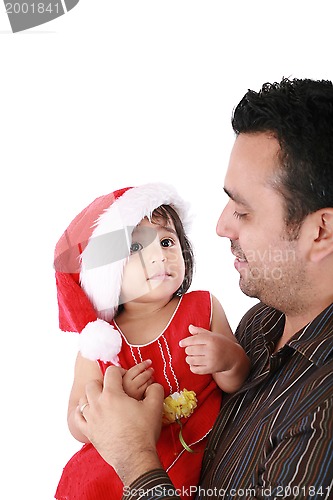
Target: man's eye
point(167, 242)
point(239, 215)
point(136, 247)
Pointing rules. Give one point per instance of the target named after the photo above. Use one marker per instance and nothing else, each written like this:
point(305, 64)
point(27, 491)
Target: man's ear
point(322, 244)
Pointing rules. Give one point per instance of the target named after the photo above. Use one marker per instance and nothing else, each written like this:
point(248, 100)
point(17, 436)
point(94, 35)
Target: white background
point(118, 93)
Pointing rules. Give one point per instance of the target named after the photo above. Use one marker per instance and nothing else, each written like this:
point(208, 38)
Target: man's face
point(270, 264)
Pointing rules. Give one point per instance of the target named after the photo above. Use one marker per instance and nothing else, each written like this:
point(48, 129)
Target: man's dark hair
point(299, 114)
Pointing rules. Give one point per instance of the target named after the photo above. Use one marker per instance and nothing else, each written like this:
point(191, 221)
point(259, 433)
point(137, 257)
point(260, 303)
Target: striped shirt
point(273, 439)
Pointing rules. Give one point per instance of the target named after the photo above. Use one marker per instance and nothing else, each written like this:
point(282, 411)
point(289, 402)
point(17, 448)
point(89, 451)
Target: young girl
point(123, 268)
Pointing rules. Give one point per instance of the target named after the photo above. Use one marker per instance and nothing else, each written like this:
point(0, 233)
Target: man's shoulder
point(260, 318)
point(257, 312)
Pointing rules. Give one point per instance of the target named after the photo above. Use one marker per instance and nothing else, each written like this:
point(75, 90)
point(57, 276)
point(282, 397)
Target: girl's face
point(155, 269)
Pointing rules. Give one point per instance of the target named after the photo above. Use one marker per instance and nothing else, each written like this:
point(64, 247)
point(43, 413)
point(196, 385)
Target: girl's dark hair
point(299, 113)
point(166, 213)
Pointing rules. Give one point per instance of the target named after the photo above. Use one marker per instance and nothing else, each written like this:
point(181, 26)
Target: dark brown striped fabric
point(274, 438)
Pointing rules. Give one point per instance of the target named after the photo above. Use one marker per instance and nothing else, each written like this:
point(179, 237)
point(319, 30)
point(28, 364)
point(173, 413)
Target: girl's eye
point(136, 247)
point(167, 242)
point(238, 215)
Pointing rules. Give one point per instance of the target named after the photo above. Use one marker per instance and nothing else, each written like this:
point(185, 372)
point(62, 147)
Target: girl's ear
point(322, 244)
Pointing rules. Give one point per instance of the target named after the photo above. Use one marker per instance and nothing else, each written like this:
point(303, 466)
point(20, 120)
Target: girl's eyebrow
point(159, 227)
point(167, 228)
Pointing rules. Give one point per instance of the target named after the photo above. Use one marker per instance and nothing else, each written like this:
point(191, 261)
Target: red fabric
point(76, 236)
point(88, 477)
point(75, 309)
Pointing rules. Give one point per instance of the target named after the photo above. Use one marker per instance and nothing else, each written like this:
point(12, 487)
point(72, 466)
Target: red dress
point(88, 477)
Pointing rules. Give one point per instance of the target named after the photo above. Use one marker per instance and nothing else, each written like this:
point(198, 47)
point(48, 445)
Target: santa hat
point(90, 258)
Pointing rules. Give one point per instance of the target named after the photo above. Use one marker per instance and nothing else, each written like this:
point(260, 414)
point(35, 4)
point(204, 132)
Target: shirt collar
point(314, 341)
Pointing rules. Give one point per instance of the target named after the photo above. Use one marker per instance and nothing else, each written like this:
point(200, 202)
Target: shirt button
point(211, 454)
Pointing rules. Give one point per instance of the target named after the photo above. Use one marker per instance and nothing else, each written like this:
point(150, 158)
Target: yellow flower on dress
point(178, 405)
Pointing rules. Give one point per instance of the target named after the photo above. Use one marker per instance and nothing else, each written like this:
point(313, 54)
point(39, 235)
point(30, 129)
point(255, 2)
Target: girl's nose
point(158, 259)
point(155, 252)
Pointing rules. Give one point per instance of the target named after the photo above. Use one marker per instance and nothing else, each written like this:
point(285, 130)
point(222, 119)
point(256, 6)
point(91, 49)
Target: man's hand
point(123, 430)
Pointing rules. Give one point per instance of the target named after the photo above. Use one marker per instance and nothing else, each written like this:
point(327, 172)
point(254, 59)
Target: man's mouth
point(239, 256)
point(237, 252)
point(240, 259)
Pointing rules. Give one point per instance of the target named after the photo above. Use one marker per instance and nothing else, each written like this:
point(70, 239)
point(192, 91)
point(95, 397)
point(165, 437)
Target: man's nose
point(227, 224)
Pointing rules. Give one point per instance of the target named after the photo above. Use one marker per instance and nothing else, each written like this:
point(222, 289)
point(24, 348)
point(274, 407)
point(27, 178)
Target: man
point(273, 438)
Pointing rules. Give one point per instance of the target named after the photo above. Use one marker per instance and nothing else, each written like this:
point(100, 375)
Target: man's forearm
point(136, 463)
point(151, 485)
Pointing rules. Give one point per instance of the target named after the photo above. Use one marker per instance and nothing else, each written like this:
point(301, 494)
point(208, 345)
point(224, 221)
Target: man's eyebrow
point(235, 197)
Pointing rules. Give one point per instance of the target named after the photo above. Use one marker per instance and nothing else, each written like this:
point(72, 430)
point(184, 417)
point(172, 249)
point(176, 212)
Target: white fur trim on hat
point(100, 340)
point(102, 279)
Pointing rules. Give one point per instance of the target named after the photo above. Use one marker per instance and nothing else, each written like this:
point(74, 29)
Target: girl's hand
point(137, 379)
point(217, 354)
point(208, 352)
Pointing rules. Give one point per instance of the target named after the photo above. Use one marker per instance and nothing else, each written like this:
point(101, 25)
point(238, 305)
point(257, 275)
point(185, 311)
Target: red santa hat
point(90, 257)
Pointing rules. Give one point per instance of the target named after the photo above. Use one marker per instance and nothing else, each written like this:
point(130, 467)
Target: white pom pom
point(100, 340)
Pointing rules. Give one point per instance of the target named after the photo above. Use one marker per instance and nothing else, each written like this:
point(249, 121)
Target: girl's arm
point(85, 371)
point(236, 363)
point(217, 352)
